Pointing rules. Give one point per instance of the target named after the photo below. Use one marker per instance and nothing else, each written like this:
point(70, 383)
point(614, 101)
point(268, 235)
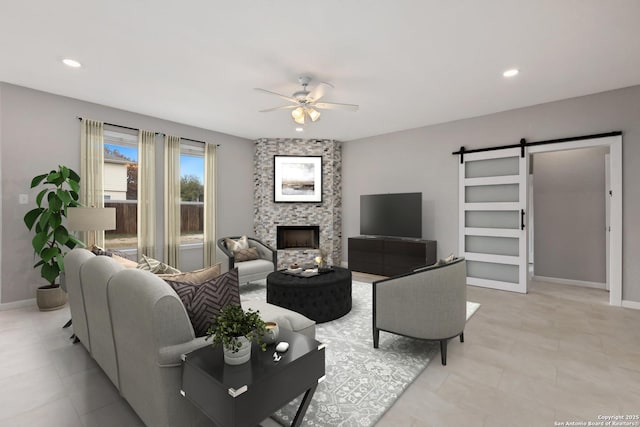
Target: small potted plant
point(60, 191)
point(235, 329)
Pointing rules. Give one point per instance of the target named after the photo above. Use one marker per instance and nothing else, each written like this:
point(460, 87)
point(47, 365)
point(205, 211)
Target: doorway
point(567, 233)
point(613, 257)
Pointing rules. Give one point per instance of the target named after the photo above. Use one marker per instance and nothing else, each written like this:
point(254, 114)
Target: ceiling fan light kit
point(305, 102)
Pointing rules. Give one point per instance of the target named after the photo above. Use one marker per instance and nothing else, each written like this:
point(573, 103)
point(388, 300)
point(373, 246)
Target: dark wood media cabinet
point(386, 256)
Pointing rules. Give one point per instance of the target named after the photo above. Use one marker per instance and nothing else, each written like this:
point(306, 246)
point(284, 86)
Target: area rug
point(361, 382)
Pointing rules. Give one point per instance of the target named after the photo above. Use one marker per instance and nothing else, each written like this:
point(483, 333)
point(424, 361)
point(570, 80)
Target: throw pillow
point(125, 262)
point(155, 266)
point(237, 245)
point(196, 276)
point(204, 300)
point(447, 260)
point(246, 254)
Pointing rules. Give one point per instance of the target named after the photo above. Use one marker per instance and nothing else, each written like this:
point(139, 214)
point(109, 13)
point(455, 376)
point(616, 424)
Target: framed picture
point(297, 179)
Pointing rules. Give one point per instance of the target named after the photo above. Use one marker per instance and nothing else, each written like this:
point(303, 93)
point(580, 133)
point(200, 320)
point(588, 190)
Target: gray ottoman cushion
point(285, 318)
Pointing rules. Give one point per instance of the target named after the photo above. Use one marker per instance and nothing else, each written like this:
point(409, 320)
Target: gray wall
point(420, 160)
point(569, 214)
point(40, 130)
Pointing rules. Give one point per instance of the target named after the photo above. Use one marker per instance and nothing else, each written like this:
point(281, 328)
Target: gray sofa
point(429, 303)
point(136, 328)
point(248, 271)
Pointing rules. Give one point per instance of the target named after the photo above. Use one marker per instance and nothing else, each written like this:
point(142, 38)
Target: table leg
point(297, 421)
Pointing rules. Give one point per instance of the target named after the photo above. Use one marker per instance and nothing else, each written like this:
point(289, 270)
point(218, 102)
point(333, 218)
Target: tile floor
point(560, 353)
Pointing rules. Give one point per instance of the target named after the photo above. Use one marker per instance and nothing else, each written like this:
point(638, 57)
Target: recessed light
point(510, 73)
point(71, 63)
point(299, 129)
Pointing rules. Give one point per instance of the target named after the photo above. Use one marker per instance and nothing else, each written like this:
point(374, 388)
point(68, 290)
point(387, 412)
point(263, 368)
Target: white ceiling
point(406, 63)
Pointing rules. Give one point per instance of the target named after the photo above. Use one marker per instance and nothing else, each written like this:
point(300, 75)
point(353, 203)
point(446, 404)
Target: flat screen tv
point(392, 215)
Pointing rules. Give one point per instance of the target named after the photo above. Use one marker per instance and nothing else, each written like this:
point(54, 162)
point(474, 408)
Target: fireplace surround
point(327, 215)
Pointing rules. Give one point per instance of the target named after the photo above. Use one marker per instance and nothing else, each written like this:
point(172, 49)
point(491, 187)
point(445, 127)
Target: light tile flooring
point(560, 353)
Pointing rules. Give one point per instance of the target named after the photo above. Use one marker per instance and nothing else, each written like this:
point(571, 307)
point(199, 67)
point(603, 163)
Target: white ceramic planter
point(241, 356)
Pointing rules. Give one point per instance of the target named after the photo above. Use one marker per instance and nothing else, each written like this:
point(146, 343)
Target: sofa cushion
point(255, 266)
point(204, 301)
point(197, 276)
point(246, 254)
point(154, 266)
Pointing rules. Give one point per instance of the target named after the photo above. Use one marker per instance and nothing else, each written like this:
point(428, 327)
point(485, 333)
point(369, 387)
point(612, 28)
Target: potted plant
point(235, 329)
point(60, 191)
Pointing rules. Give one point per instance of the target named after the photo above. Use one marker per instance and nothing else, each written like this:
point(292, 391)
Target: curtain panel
point(172, 200)
point(146, 216)
point(92, 170)
point(210, 204)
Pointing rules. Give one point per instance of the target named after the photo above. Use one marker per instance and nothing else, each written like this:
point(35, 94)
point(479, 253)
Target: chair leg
point(376, 337)
point(443, 351)
point(462, 336)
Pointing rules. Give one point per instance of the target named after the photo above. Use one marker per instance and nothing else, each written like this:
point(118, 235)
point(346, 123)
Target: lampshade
point(314, 114)
point(298, 115)
point(91, 219)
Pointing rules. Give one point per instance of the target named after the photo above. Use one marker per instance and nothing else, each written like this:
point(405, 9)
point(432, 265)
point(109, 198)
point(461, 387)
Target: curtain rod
point(157, 133)
point(524, 143)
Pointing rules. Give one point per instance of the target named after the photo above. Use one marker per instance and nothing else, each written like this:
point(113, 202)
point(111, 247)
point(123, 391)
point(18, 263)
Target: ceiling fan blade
point(284, 107)
point(288, 98)
point(336, 106)
point(319, 91)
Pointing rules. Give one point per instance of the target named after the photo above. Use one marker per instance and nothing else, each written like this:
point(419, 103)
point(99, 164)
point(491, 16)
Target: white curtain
point(172, 200)
point(146, 194)
point(209, 204)
point(92, 170)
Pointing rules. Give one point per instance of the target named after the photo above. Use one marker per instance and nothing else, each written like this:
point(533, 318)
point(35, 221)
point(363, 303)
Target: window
point(191, 192)
point(121, 188)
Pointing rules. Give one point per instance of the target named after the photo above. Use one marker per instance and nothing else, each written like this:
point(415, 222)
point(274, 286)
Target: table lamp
point(91, 220)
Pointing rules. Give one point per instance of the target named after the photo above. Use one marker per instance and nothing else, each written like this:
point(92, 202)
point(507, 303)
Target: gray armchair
point(248, 271)
point(429, 303)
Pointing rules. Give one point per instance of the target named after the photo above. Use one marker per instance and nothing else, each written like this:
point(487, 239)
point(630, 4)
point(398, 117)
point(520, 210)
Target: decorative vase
point(271, 332)
point(50, 297)
point(239, 357)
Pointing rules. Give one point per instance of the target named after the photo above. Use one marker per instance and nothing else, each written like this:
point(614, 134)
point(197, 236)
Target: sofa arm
point(171, 355)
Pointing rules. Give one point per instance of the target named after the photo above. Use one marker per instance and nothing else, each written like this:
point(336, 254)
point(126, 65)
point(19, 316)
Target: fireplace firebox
point(298, 237)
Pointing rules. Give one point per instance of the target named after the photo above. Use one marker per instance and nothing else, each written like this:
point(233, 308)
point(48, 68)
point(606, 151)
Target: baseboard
point(631, 304)
point(17, 304)
point(583, 283)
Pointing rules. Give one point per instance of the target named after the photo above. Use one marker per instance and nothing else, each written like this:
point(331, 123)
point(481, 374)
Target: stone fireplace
point(298, 237)
point(326, 216)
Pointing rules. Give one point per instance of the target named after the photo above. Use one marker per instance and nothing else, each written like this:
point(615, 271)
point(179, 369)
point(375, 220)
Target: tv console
point(388, 256)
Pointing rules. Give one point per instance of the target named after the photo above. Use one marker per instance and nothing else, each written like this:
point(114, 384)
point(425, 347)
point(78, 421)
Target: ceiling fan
point(305, 103)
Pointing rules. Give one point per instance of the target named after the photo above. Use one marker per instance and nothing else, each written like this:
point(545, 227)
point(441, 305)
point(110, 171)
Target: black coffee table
point(243, 395)
point(321, 298)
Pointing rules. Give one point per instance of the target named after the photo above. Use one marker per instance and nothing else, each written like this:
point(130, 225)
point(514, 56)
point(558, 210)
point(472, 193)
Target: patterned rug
point(361, 382)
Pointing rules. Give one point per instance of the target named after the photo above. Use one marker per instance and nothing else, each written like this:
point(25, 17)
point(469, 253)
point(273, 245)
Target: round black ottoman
point(321, 298)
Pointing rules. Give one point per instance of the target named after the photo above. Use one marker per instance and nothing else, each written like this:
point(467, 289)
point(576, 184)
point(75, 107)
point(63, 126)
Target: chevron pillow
point(204, 300)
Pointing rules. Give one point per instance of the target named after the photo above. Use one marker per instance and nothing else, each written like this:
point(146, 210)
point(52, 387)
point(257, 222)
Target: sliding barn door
point(493, 207)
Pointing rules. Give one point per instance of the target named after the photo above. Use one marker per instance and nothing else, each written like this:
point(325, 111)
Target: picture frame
point(297, 179)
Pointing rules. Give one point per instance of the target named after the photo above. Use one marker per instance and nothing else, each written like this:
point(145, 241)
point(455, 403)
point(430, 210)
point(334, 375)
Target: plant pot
point(239, 357)
point(50, 297)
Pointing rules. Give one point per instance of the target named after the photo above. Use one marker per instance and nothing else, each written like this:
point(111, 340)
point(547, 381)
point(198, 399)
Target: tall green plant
point(60, 191)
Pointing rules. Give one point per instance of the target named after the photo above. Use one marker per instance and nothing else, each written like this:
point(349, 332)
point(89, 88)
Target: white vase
point(239, 357)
